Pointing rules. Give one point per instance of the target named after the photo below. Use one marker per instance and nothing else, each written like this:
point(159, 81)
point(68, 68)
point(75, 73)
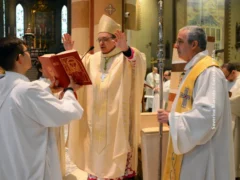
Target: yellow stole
point(173, 162)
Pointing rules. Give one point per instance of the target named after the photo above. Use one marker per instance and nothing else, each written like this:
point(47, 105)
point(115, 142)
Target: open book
point(61, 66)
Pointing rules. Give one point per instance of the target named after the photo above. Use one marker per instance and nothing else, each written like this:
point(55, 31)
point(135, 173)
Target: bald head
point(155, 70)
point(167, 75)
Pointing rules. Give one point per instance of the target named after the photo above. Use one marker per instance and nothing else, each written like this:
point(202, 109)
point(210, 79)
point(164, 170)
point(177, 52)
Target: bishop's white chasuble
point(99, 144)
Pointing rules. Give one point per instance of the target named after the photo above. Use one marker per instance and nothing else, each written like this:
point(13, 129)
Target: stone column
point(85, 17)
point(80, 25)
point(132, 21)
point(111, 8)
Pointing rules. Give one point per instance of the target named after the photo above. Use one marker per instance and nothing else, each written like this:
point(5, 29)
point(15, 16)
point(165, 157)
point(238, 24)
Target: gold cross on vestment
point(104, 74)
point(185, 97)
point(105, 63)
point(110, 9)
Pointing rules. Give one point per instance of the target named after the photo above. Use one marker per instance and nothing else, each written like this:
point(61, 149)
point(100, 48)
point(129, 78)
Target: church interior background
point(43, 22)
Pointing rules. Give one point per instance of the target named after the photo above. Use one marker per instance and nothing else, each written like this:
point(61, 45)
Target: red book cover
point(62, 65)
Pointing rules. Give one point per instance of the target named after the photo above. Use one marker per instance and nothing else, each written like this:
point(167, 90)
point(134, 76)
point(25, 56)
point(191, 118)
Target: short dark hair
point(168, 71)
point(196, 33)
point(10, 48)
point(229, 67)
point(39, 66)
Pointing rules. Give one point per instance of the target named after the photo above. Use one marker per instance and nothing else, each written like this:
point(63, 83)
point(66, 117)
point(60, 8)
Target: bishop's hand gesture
point(67, 42)
point(121, 40)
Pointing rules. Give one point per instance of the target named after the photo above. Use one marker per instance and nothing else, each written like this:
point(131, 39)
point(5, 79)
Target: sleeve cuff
point(129, 53)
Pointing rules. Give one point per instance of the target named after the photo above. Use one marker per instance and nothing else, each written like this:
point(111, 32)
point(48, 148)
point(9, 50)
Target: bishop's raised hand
point(121, 40)
point(67, 42)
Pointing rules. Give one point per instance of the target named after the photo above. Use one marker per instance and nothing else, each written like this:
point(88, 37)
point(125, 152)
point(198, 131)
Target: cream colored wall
point(235, 17)
point(145, 39)
point(181, 14)
point(168, 30)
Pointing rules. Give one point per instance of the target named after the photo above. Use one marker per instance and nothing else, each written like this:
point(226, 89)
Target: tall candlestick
point(34, 42)
point(40, 42)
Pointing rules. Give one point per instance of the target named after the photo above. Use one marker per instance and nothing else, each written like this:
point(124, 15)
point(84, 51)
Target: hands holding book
point(73, 84)
point(54, 86)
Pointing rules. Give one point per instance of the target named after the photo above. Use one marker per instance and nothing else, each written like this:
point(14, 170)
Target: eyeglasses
point(104, 39)
point(230, 72)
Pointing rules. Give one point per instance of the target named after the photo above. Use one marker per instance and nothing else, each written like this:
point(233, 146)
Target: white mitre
point(107, 24)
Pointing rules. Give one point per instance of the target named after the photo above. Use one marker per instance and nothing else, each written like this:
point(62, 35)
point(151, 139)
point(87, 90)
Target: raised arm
point(67, 42)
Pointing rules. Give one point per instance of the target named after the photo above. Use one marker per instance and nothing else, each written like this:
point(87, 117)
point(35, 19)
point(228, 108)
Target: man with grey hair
point(105, 143)
point(200, 143)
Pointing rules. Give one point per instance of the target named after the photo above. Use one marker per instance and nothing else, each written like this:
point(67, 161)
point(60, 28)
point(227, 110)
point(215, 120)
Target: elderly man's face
point(106, 42)
point(166, 75)
point(184, 49)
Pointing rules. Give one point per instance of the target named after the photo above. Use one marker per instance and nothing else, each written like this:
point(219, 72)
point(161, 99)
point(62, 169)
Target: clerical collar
point(114, 52)
point(195, 59)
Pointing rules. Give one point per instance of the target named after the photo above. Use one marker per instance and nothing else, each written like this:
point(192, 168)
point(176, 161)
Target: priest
point(105, 143)
point(28, 111)
point(200, 144)
point(232, 74)
point(58, 131)
point(166, 89)
point(152, 80)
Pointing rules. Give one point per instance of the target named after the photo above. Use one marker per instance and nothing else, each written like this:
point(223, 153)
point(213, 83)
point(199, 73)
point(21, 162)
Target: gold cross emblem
point(110, 9)
point(185, 97)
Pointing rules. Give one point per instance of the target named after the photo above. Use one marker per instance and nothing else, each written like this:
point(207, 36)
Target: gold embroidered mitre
point(107, 24)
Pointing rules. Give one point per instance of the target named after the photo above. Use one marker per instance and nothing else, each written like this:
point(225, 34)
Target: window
point(209, 14)
point(19, 21)
point(4, 18)
point(64, 25)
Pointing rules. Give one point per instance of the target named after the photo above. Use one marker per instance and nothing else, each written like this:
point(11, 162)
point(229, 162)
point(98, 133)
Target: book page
point(65, 52)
